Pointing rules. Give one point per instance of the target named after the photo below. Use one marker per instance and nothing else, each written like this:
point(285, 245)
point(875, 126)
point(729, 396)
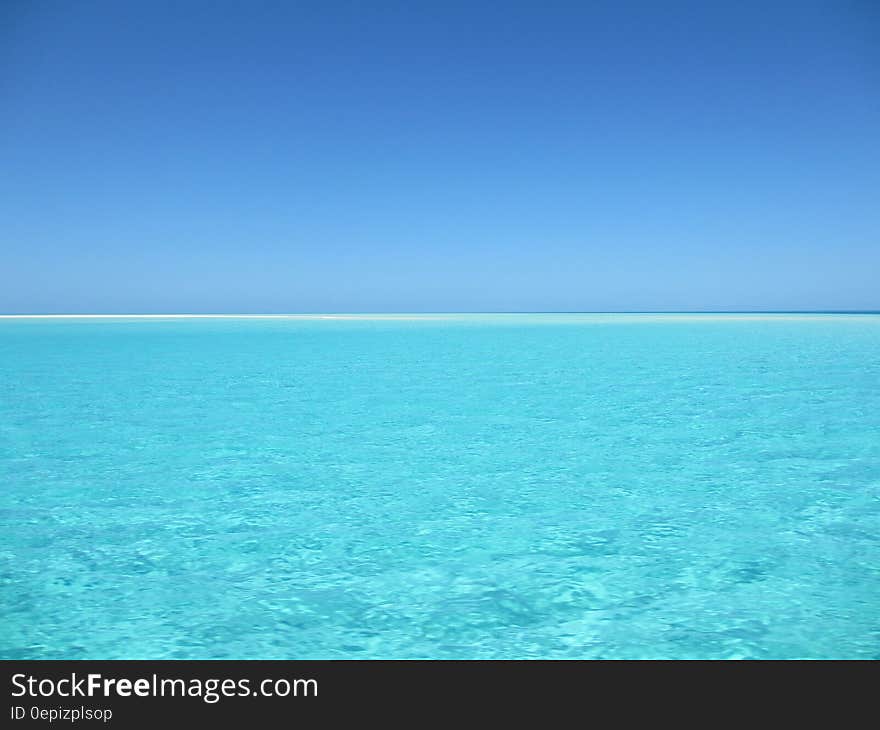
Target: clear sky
point(439, 156)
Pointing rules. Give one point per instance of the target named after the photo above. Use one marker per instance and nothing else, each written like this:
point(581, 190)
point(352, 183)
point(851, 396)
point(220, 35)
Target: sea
point(510, 486)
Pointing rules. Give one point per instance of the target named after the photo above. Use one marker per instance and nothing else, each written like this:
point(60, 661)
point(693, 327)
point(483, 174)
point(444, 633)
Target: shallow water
point(602, 486)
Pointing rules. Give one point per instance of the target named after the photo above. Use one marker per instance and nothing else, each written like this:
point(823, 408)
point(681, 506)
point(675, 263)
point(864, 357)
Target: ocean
point(447, 486)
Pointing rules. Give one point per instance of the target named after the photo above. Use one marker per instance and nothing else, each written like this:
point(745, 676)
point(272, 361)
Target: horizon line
point(401, 314)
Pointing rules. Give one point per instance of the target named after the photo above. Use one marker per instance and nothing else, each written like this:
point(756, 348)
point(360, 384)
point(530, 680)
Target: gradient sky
point(438, 156)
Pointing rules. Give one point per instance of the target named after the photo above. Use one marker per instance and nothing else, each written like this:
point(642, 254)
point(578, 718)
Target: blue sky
point(439, 156)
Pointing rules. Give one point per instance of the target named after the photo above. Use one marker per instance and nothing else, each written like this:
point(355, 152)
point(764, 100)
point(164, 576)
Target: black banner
point(179, 693)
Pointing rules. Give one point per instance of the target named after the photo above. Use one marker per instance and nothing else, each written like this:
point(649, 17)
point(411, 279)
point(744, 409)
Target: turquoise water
point(461, 487)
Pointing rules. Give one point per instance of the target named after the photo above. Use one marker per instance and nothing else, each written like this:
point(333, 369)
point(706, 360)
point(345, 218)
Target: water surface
point(555, 486)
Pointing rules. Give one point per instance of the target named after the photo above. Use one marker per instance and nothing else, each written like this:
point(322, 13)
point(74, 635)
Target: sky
point(249, 157)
